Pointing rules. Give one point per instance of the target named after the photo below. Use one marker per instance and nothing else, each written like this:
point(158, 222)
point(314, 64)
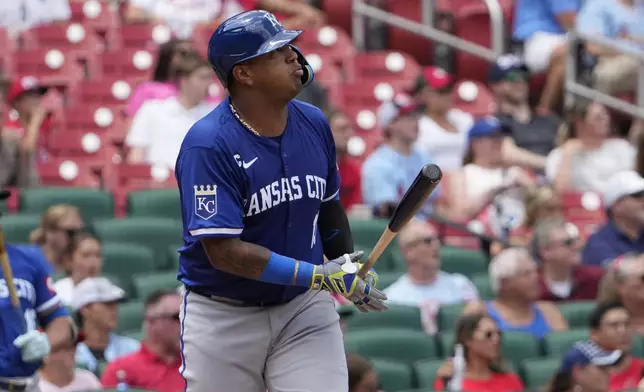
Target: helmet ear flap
point(308, 76)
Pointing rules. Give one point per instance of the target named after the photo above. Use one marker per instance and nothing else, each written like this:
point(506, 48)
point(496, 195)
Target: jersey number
point(30, 319)
point(315, 226)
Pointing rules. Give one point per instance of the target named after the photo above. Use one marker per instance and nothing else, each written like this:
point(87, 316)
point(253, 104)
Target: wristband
point(287, 271)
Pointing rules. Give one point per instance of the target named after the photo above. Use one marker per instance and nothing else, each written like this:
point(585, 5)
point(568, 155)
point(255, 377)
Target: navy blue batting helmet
point(249, 35)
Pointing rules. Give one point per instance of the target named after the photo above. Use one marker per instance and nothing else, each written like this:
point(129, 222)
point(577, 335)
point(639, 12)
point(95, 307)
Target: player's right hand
point(340, 276)
point(34, 345)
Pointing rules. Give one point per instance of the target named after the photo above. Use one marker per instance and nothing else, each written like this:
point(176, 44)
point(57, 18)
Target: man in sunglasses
point(623, 199)
point(156, 365)
point(533, 134)
point(557, 247)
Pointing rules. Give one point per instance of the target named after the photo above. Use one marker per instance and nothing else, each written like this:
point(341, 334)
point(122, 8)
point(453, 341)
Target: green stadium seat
point(463, 261)
point(146, 284)
point(405, 317)
point(173, 256)
point(516, 346)
point(536, 372)
point(366, 232)
point(93, 203)
point(637, 348)
point(17, 227)
point(386, 279)
point(425, 371)
point(125, 260)
point(155, 233)
point(161, 203)
point(557, 343)
point(100, 367)
point(130, 316)
point(391, 343)
point(447, 316)
point(482, 283)
point(393, 375)
point(577, 312)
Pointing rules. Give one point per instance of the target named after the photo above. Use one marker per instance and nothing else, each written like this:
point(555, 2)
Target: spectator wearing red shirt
point(156, 365)
point(350, 185)
point(556, 245)
point(610, 328)
point(25, 97)
point(480, 341)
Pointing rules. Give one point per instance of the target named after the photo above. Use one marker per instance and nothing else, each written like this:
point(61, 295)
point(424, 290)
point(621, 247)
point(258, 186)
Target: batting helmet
point(249, 35)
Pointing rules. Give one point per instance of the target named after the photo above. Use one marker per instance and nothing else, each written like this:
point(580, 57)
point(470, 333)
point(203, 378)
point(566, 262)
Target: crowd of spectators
point(508, 178)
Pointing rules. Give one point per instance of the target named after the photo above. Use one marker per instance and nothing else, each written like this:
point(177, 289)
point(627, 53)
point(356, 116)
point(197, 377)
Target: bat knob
point(432, 172)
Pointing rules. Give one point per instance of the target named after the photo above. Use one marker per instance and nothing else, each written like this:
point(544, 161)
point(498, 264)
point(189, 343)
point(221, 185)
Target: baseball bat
point(7, 272)
point(424, 184)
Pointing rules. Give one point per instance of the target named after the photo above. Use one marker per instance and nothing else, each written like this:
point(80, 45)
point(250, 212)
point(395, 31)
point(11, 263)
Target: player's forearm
point(251, 261)
point(60, 332)
point(334, 230)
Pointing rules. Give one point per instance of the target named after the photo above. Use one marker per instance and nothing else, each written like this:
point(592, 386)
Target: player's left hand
point(367, 303)
point(34, 345)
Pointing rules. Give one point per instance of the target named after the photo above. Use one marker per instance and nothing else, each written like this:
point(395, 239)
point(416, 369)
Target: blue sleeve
point(377, 187)
point(211, 193)
point(48, 304)
point(561, 6)
point(597, 252)
point(333, 179)
point(591, 19)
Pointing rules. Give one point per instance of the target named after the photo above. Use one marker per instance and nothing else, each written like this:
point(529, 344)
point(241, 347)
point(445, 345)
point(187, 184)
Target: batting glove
point(340, 276)
point(34, 345)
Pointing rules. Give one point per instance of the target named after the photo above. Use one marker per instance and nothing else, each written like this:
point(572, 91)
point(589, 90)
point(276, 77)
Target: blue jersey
point(38, 301)
point(266, 191)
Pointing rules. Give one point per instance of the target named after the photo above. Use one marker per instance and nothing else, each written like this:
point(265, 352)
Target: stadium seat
point(577, 312)
point(447, 316)
point(417, 390)
point(386, 65)
point(111, 92)
point(557, 343)
point(371, 93)
point(94, 14)
point(93, 203)
point(146, 284)
point(81, 43)
point(100, 367)
point(88, 149)
point(398, 316)
point(173, 256)
point(162, 203)
point(17, 227)
point(50, 65)
point(483, 285)
point(125, 260)
point(390, 343)
point(463, 261)
point(480, 104)
point(366, 232)
point(143, 35)
point(130, 316)
point(385, 279)
point(128, 63)
point(393, 375)
point(156, 233)
point(536, 372)
point(67, 172)
point(516, 346)
point(425, 371)
point(404, 41)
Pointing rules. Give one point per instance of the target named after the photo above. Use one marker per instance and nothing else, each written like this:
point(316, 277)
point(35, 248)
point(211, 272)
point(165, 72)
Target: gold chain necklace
point(241, 120)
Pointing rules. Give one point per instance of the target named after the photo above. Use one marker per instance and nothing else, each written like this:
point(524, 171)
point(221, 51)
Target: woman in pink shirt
point(59, 373)
point(162, 85)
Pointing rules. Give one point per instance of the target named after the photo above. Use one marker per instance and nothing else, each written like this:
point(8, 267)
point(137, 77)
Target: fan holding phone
point(476, 364)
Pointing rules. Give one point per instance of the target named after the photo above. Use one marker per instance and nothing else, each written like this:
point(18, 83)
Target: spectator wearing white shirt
point(83, 260)
point(587, 155)
point(20, 15)
point(158, 128)
point(59, 373)
point(442, 129)
point(424, 280)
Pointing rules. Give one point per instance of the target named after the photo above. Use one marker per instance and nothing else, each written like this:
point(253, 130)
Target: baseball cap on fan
point(400, 105)
point(505, 67)
point(584, 353)
point(621, 185)
point(488, 127)
point(96, 290)
point(23, 85)
point(434, 78)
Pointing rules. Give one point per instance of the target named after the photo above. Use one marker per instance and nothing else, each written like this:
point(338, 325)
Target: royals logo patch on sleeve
point(205, 201)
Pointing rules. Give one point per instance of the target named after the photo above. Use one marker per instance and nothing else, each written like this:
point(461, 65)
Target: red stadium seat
point(13, 202)
point(387, 65)
point(330, 40)
point(109, 92)
point(87, 148)
point(474, 98)
point(67, 172)
point(81, 118)
point(51, 66)
point(371, 93)
point(128, 63)
point(338, 13)
point(7, 47)
point(94, 14)
point(125, 178)
point(143, 35)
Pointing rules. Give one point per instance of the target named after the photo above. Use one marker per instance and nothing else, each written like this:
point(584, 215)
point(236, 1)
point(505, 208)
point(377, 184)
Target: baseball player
point(259, 192)
point(22, 345)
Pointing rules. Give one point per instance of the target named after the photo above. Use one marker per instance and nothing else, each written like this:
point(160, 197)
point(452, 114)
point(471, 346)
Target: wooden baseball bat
point(424, 184)
point(7, 272)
